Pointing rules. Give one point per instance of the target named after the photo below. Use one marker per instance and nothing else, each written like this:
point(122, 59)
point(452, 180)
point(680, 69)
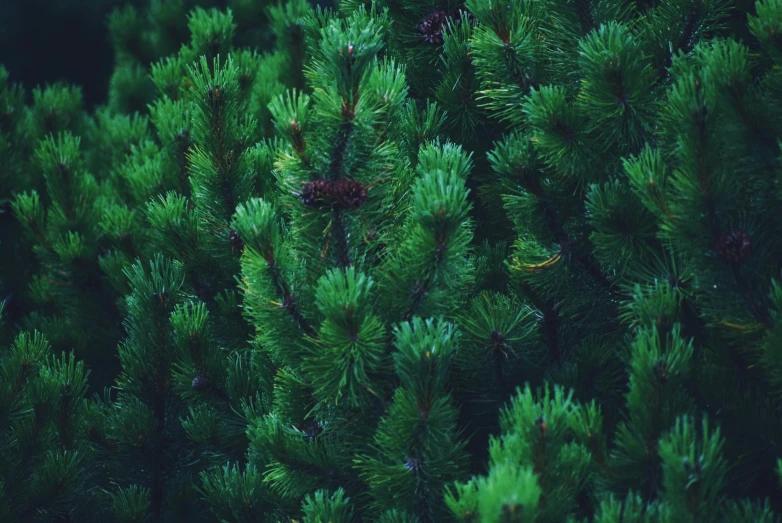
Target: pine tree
point(61, 214)
point(640, 183)
point(339, 271)
point(45, 472)
point(195, 382)
point(149, 433)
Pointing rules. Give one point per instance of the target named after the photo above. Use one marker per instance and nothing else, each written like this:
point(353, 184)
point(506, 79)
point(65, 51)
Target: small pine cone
point(200, 383)
point(348, 194)
point(413, 463)
point(236, 242)
point(312, 429)
point(315, 193)
point(497, 338)
point(431, 28)
point(345, 194)
point(734, 246)
point(661, 371)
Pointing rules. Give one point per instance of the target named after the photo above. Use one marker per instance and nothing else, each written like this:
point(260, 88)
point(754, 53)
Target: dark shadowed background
point(43, 41)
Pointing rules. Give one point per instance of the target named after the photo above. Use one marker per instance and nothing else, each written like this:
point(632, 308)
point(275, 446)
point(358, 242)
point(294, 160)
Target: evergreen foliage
point(400, 262)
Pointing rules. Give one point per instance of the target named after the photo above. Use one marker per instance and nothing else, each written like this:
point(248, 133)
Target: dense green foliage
point(401, 262)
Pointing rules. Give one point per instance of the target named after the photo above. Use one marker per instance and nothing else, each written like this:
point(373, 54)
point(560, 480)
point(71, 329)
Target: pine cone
point(412, 463)
point(431, 28)
point(348, 194)
point(734, 246)
point(315, 193)
point(312, 429)
point(342, 193)
point(236, 242)
point(200, 383)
